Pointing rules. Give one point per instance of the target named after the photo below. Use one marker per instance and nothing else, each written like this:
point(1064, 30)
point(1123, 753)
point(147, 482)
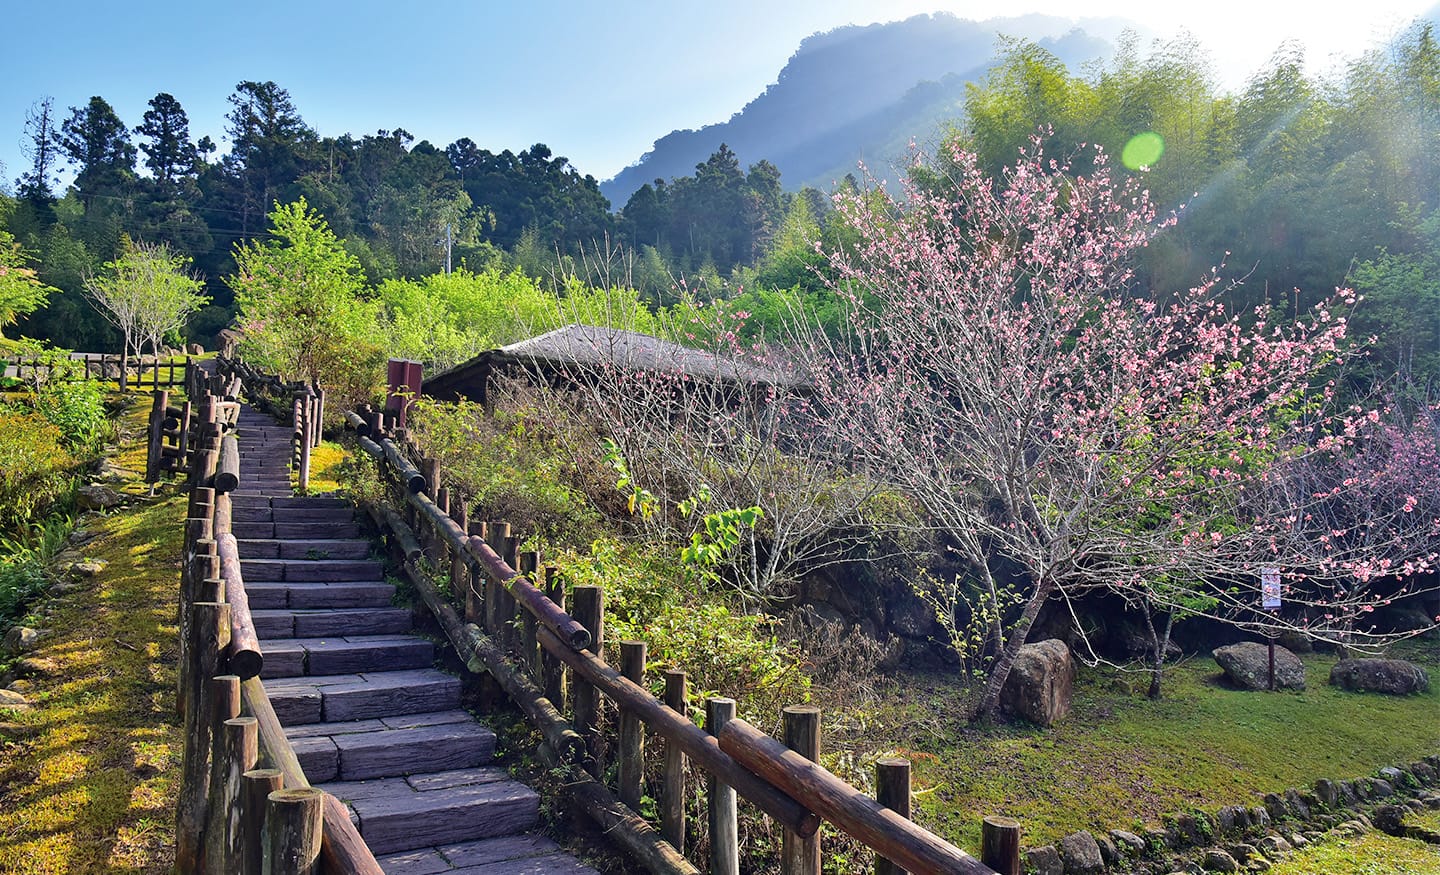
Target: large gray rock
point(20, 639)
point(1247, 665)
point(1393, 676)
point(1044, 860)
point(97, 497)
point(1041, 683)
point(1082, 854)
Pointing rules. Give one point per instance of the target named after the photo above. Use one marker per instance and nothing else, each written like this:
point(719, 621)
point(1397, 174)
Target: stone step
point(338, 698)
point(295, 623)
point(525, 854)
point(311, 570)
point(391, 746)
point(319, 548)
point(275, 596)
point(312, 529)
point(421, 811)
point(295, 657)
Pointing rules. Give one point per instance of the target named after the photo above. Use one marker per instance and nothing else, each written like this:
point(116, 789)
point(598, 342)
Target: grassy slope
point(1122, 761)
point(88, 777)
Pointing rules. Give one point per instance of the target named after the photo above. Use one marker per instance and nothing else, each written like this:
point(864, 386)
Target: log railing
point(245, 806)
point(303, 403)
point(512, 628)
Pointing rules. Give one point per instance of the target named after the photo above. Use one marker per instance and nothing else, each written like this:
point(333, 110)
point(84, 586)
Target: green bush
point(35, 467)
point(508, 467)
point(653, 598)
point(77, 408)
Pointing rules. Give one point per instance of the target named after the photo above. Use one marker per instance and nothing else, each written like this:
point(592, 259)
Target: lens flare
point(1143, 150)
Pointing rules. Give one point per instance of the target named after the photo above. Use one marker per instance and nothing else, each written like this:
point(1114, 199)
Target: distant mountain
point(861, 93)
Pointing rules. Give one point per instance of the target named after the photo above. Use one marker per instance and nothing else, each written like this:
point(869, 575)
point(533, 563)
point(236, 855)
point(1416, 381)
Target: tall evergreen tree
point(39, 146)
point(169, 154)
point(98, 145)
point(271, 147)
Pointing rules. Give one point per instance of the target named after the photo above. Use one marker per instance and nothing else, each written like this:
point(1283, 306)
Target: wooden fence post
point(551, 668)
point(157, 430)
point(257, 785)
point(293, 822)
point(236, 750)
point(801, 856)
point(475, 589)
point(508, 605)
point(632, 730)
point(209, 634)
point(529, 645)
point(590, 613)
point(438, 549)
point(672, 802)
point(496, 534)
point(892, 789)
point(724, 824)
point(1000, 844)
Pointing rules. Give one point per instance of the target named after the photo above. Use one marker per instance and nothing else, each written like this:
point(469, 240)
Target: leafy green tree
point(21, 292)
point(146, 292)
point(299, 298)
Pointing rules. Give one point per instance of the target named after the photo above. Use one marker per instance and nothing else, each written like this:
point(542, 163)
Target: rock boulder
point(1247, 665)
point(1041, 683)
point(1393, 676)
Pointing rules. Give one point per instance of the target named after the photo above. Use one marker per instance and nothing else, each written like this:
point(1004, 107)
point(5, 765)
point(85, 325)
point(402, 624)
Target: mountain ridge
point(861, 91)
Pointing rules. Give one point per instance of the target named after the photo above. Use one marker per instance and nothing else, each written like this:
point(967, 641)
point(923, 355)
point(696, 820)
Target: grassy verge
point(1122, 761)
point(1373, 853)
point(88, 774)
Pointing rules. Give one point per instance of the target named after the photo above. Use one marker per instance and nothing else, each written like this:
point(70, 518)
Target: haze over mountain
point(862, 93)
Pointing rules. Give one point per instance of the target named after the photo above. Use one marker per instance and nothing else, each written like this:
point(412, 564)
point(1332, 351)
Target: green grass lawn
point(1120, 760)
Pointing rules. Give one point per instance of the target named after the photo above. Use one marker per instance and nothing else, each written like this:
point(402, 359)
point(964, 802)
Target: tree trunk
point(1159, 643)
point(1000, 670)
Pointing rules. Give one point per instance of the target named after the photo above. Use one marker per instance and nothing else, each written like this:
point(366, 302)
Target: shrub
point(509, 466)
point(653, 598)
point(35, 466)
point(77, 409)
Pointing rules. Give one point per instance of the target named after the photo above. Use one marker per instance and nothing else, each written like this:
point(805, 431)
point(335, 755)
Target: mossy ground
point(1373, 853)
point(1120, 760)
point(88, 775)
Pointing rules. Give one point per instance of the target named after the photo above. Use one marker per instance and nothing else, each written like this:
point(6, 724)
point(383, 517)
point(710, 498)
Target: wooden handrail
point(896, 838)
point(795, 791)
point(342, 850)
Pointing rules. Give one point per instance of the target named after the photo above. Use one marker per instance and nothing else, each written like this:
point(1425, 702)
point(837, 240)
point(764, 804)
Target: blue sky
point(597, 82)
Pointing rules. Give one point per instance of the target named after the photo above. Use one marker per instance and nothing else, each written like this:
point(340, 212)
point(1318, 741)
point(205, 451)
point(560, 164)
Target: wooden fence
point(147, 370)
point(514, 631)
point(303, 403)
point(172, 437)
point(245, 805)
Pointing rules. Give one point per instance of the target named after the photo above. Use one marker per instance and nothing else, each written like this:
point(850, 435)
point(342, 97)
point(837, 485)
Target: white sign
point(1270, 588)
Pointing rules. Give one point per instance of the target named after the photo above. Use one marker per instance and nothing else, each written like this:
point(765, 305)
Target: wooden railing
point(162, 371)
point(513, 629)
point(245, 805)
point(304, 403)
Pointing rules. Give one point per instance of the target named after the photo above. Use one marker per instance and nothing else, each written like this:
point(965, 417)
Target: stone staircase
point(370, 718)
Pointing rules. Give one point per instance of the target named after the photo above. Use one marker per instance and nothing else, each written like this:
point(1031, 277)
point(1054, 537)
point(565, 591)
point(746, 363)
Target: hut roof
point(593, 346)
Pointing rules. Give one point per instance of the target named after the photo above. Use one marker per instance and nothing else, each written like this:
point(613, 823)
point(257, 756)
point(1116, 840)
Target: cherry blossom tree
point(1063, 431)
